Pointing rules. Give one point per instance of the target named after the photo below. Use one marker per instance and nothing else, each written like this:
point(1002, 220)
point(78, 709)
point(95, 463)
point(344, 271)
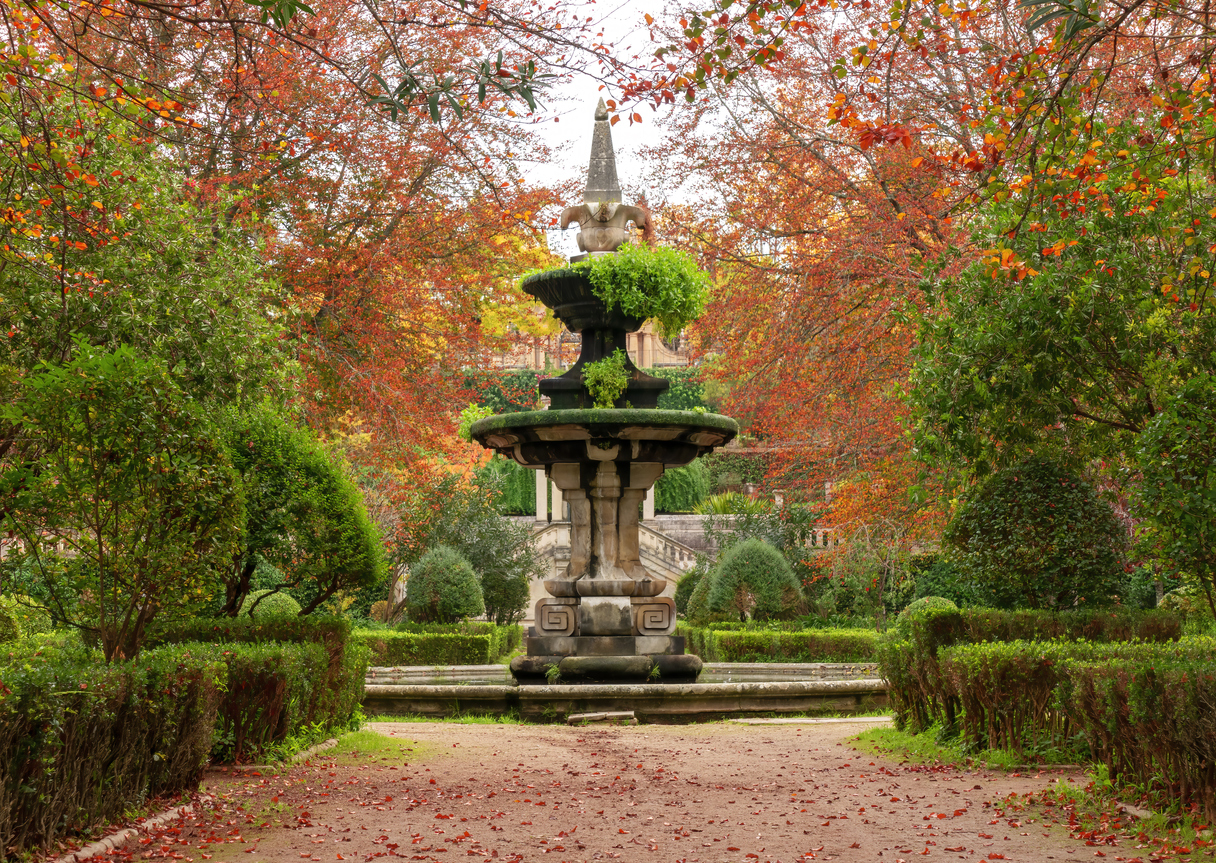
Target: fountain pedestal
point(605, 619)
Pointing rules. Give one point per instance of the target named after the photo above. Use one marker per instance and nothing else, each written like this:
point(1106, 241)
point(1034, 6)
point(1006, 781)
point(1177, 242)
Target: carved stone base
point(608, 616)
point(605, 659)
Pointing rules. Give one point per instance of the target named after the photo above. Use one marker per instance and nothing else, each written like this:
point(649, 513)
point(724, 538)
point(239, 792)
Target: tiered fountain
point(604, 620)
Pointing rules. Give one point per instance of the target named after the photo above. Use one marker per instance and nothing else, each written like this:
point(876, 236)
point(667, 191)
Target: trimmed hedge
point(1148, 711)
point(720, 644)
point(908, 658)
point(335, 680)
point(82, 741)
point(274, 691)
point(469, 643)
point(1151, 718)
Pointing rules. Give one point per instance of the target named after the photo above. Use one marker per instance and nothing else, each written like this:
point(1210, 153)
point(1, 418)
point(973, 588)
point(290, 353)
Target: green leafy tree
point(110, 246)
point(1068, 338)
point(1035, 535)
point(1177, 491)
point(120, 468)
point(753, 580)
point(680, 489)
point(443, 588)
point(465, 517)
point(305, 517)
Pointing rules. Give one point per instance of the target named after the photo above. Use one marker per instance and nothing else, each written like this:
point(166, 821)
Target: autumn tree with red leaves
point(1031, 134)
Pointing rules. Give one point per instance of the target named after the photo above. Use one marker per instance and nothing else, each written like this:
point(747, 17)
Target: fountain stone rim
point(604, 419)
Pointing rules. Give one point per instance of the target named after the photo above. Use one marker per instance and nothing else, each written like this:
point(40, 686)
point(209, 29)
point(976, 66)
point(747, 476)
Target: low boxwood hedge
point(1145, 710)
point(334, 677)
point(82, 741)
point(469, 643)
point(908, 656)
point(724, 643)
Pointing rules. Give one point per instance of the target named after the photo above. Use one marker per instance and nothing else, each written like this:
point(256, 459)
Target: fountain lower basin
point(604, 619)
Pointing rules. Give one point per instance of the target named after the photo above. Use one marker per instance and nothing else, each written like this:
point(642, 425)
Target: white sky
point(572, 104)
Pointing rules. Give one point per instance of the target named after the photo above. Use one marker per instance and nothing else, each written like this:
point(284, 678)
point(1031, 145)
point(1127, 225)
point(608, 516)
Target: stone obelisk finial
point(602, 219)
point(602, 184)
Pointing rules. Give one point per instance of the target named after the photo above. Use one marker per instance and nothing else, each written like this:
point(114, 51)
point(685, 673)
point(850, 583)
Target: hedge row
point(81, 741)
point(335, 687)
point(473, 643)
point(1147, 710)
point(908, 659)
point(758, 645)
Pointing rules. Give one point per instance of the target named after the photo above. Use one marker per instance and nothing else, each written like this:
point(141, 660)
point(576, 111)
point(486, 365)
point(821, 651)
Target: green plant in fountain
point(553, 674)
point(649, 282)
point(606, 379)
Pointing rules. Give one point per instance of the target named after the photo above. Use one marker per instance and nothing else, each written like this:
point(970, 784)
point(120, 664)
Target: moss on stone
point(604, 417)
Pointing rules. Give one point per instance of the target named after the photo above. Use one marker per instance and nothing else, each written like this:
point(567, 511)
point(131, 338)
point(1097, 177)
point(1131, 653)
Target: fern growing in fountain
point(606, 379)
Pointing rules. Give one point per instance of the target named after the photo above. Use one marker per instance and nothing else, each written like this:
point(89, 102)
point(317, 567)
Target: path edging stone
point(121, 837)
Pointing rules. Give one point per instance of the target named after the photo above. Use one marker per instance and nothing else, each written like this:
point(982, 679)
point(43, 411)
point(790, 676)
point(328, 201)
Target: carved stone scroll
point(654, 616)
point(556, 615)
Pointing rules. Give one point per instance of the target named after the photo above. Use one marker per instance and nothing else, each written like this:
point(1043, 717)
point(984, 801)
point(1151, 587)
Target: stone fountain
point(604, 619)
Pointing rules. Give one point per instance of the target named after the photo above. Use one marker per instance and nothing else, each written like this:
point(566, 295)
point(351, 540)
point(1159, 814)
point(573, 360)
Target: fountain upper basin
point(577, 436)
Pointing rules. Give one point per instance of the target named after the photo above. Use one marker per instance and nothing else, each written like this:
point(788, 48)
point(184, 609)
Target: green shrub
point(1149, 717)
point(685, 586)
point(909, 658)
point(680, 489)
point(1144, 709)
point(304, 514)
point(1038, 537)
point(920, 606)
point(753, 580)
point(756, 644)
point(82, 742)
point(467, 643)
point(273, 691)
point(443, 588)
point(697, 610)
point(464, 517)
point(339, 690)
point(264, 603)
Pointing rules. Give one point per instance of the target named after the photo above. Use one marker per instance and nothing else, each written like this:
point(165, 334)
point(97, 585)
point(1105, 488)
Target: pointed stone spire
point(602, 184)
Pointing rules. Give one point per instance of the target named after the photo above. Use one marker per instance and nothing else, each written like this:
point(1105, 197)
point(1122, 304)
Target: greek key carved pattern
point(655, 616)
point(556, 619)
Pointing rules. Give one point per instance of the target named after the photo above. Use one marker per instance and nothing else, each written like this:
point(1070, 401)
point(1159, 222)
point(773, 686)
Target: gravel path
point(714, 792)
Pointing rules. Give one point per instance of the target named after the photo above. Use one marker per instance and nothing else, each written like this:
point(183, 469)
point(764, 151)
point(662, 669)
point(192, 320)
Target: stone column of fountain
point(604, 619)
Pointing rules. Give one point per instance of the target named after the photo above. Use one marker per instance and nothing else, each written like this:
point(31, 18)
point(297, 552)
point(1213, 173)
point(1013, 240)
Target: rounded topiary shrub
point(753, 580)
point(274, 605)
point(1037, 533)
point(685, 586)
point(920, 606)
point(443, 588)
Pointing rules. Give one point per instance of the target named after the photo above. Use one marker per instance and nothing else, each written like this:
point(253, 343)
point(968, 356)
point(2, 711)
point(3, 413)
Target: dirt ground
point(714, 792)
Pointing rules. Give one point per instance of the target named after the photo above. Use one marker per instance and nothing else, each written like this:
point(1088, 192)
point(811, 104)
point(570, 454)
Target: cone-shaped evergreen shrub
point(443, 588)
point(753, 580)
